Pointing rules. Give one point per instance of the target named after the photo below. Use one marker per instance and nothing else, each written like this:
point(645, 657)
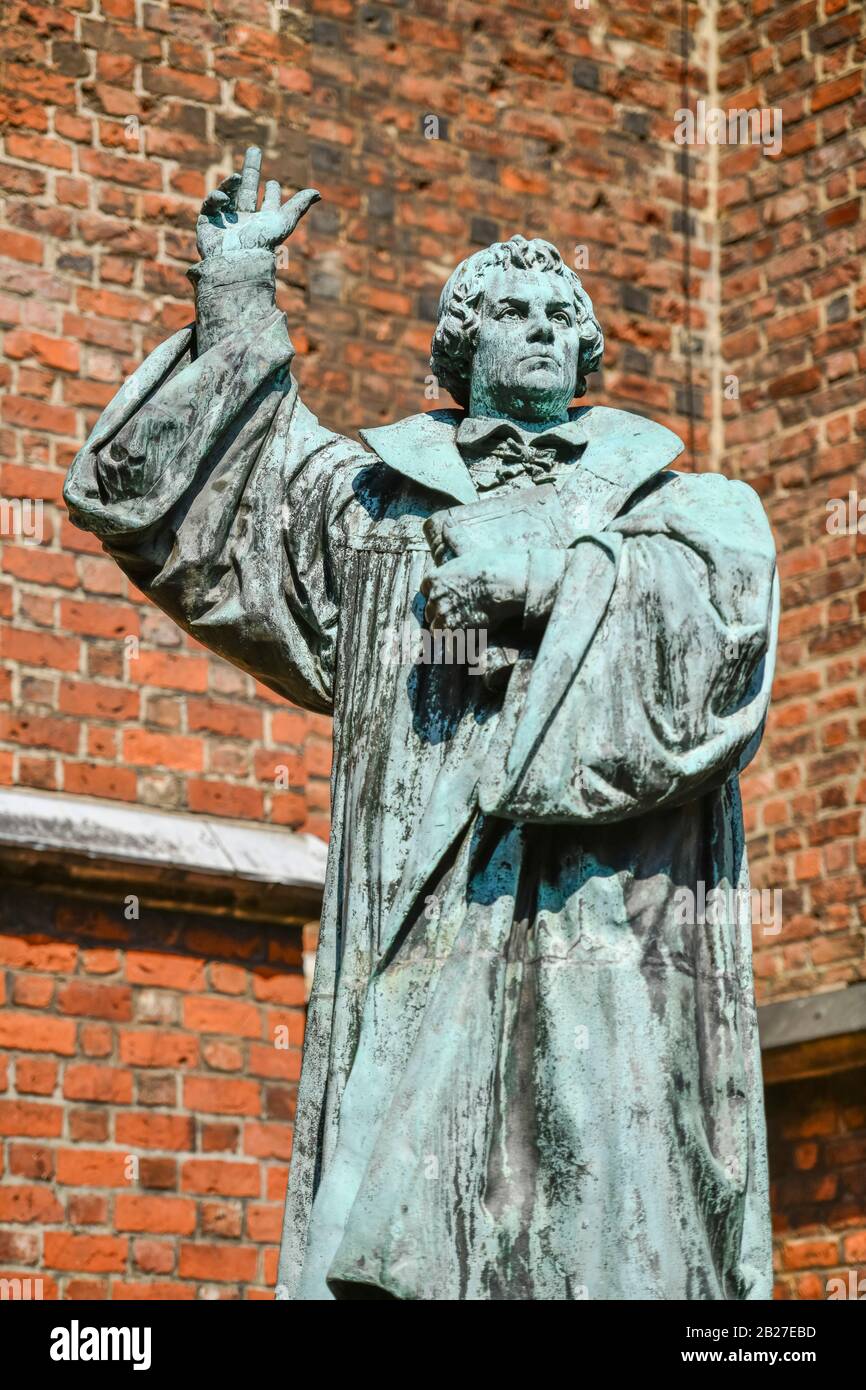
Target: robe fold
point(525, 1075)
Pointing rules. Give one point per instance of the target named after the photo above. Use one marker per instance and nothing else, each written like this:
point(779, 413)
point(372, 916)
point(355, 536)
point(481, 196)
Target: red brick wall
point(554, 122)
point(817, 1136)
point(112, 132)
point(153, 1041)
point(793, 295)
point(792, 235)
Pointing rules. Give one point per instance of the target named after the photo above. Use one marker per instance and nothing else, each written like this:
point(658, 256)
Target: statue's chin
point(536, 395)
point(539, 392)
point(536, 405)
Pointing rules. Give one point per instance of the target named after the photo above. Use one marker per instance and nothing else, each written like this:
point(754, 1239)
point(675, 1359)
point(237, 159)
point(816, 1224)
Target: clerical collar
point(476, 431)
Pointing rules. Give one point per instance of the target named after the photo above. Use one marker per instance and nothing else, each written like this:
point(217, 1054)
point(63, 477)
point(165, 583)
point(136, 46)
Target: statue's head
point(516, 334)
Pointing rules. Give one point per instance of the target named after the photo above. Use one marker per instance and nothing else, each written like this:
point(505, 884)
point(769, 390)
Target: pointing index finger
point(248, 193)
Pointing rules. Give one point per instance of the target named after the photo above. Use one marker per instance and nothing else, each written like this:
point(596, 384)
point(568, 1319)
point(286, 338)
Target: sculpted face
point(528, 347)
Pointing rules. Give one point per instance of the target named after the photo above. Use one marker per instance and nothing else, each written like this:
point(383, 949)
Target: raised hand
point(228, 221)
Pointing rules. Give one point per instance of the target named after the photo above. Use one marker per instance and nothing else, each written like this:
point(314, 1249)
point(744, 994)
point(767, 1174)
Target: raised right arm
point(234, 283)
point(206, 478)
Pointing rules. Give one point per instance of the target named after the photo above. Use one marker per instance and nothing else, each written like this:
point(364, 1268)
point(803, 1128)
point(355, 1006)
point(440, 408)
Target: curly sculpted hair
point(459, 312)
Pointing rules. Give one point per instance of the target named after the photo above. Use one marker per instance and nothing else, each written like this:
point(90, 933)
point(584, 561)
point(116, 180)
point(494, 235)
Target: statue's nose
point(540, 330)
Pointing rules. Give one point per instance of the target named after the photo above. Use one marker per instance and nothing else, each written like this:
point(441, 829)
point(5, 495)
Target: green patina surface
point(525, 1076)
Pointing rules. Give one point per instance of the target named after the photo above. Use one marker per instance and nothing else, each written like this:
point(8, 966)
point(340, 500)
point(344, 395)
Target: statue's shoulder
point(603, 423)
point(427, 427)
point(727, 508)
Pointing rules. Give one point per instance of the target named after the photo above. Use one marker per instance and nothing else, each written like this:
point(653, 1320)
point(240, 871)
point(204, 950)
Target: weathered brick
point(224, 1179)
point(90, 1254)
point(108, 1084)
point(156, 1215)
point(33, 1033)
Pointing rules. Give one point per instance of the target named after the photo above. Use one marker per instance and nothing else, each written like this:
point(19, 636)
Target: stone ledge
point(813, 1016)
point(814, 1035)
point(87, 845)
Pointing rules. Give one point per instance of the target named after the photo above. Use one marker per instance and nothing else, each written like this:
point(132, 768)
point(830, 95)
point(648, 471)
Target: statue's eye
point(562, 317)
point(509, 314)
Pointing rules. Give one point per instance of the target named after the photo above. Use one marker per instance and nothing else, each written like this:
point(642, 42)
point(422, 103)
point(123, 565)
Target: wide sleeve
point(652, 681)
point(221, 497)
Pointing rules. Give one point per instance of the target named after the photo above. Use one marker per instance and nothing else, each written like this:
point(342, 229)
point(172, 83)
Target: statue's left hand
point(480, 589)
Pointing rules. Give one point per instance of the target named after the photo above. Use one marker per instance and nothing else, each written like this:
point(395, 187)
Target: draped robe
point(525, 1076)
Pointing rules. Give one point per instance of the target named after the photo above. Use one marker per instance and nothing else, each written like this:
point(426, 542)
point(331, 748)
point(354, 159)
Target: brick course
point(147, 1090)
point(817, 1136)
